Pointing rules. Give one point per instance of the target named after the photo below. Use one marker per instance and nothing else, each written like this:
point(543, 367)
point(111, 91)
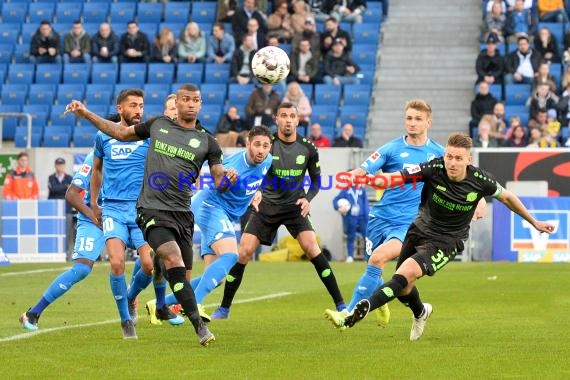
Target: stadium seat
point(155, 93)
point(556, 72)
point(40, 11)
point(209, 116)
point(366, 34)
point(57, 116)
point(517, 110)
point(151, 110)
point(364, 53)
point(68, 13)
point(9, 33)
point(175, 27)
point(556, 28)
point(327, 94)
point(214, 93)
point(84, 136)
point(372, 14)
point(68, 92)
point(57, 136)
point(216, 73)
point(149, 12)
point(133, 73)
point(355, 94)
point(102, 73)
point(28, 31)
point(150, 29)
point(238, 94)
point(14, 94)
point(307, 90)
point(203, 12)
point(99, 93)
point(14, 13)
point(76, 73)
point(497, 91)
point(160, 73)
point(42, 93)
point(355, 115)
point(189, 73)
point(325, 115)
point(120, 87)
point(21, 54)
point(99, 109)
point(21, 73)
point(91, 28)
point(121, 13)
point(21, 138)
point(48, 73)
point(9, 123)
point(95, 12)
point(517, 94)
point(39, 113)
point(176, 12)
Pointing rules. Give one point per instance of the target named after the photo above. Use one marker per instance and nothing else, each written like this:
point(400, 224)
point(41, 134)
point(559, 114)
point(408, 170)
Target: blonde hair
point(418, 105)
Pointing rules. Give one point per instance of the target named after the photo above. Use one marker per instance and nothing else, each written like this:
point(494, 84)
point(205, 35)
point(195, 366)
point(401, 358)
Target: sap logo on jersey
point(123, 151)
point(251, 188)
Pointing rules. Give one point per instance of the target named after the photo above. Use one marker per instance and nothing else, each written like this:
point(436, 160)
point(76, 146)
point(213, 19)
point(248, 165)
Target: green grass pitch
point(490, 321)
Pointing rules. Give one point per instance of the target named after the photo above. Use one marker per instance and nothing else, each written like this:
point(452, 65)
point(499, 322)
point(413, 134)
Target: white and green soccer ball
point(270, 65)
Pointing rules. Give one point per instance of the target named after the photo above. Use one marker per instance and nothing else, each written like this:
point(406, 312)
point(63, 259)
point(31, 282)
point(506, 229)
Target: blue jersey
point(236, 200)
point(82, 179)
point(397, 204)
point(123, 167)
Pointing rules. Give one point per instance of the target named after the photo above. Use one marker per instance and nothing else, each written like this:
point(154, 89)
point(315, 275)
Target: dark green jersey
point(447, 207)
point(284, 182)
point(173, 163)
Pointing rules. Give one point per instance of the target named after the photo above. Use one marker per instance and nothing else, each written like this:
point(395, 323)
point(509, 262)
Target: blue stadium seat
point(99, 93)
point(22, 54)
point(556, 72)
point(189, 73)
point(209, 116)
point(120, 87)
point(364, 53)
point(14, 13)
point(149, 12)
point(213, 93)
point(372, 14)
point(57, 116)
point(95, 12)
point(68, 13)
point(203, 12)
point(57, 136)
point(150, 29)
point(121, 13)
point(76, 73)
point(48, 73)
point(9, 124)
point(14, 94)
point(40, 11)
point(133, 73)
point(84, 136)
point(91, 28)
point(175, 27)
point(152, 109)
point(42, 93)
point(327, 94)
point(156, 93)
point(21, 138)
point(102, 73)
point(216, 73)
point(355, 115)
point(556, 28)
point(21, 73)
point(307, 90)
point(68, 92)
point(517, 110)
point(28, 31)
point(176, 11)
point(497, 91)
point(366, 73)
point(99, 109)
point(62, 28)
point(9, 33)
point(356, 94)
point(325, 115)
point(238, 94)
point(40, 115)
point(517, 94)
point(160, 73)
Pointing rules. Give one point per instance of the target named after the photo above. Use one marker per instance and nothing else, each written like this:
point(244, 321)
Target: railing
point(17, 115)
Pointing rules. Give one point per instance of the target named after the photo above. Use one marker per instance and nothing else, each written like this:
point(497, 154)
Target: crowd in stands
point(523, 80)
point(220, 40)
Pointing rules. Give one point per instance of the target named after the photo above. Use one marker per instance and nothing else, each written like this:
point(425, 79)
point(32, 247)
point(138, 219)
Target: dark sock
point(388, 291)
point(184, 294)
point(327, 277)
point(414, 302)
point(233, 281)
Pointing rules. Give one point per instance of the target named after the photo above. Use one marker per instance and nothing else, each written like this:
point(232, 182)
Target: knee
point(377, 260)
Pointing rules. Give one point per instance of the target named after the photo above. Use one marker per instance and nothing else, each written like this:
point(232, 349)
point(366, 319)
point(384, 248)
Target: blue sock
point(61, 285)
point(139, 283)
point(215, 274)
point(160, 292)
point(171, 300)
point(367, 284)
point(136, 269)
point(119, 290)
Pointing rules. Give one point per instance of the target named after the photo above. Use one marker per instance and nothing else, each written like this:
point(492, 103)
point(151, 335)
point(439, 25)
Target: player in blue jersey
point(118, 169)
point(391, 216)
point(89, 243)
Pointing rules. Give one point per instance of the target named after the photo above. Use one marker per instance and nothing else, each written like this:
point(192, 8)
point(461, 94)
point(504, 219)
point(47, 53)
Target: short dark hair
point(76, 22)
point(129, 92)
point(286, 105)
point(332, 19)
point(132, 22)
point(188, 87)
point(460, 140)
point(45, 22)
point(22, 154)
point(219, 25)
point(259, 130)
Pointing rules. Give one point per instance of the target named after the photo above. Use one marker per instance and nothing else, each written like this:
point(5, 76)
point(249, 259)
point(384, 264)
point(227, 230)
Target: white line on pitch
point(34, 271)
point(52, 329)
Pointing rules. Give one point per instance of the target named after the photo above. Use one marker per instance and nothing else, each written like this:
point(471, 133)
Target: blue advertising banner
point(514, 239)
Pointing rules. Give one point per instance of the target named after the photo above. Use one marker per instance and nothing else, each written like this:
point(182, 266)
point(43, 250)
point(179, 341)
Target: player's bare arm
point(256, 200)
point(95, 186)
point(117, 131)
point(514, 204)
point(223, 178)
point(74, 196)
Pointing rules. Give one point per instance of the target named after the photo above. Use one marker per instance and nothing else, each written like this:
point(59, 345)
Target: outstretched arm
point(117, 131)
point(514, 204)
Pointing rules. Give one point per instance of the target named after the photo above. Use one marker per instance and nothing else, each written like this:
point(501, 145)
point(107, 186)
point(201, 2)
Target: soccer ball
point(343, 205)
point(270, 65)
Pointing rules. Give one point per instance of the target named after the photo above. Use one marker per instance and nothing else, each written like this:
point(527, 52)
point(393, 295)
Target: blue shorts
point(214, 225)
point(89, 241)
point(379, 231)
point(119, 221)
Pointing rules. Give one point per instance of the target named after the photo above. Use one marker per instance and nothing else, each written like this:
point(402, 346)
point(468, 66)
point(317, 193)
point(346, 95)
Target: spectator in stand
point(520, 22)
point(483, 104)
point(543, 76)
point(21, 183)
point(105, 45)
point(349, 10)
point(295, 95)
point(490, 64)
point(540, 120)
point(339, 68)
point(495, 22)
point(545, 43)
point(321, 9)
point(309, 33)
point(522, 63)
point(517, 139)
point(134, 45)
point(564, 106)
point(229, 128)
point(192, 44)
point(59, 181)
point(301, 12)
point(261, 106)
point(488, 6)
point(259, 36)
point(553, 127)
point(498, 121)
point(240, 20)
point(240, 69)
point(45, 45)
point(535, 135)
point(77, 45)
point(551, 11)
point(332, 33)
point(305, 65)
point(542, 98)
point(226, 10)
point(170, 109)
point(347, 139)
point(164, 47)
point(484, 139)
point(279, 22)
point(221, 46)
point(317, 137)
